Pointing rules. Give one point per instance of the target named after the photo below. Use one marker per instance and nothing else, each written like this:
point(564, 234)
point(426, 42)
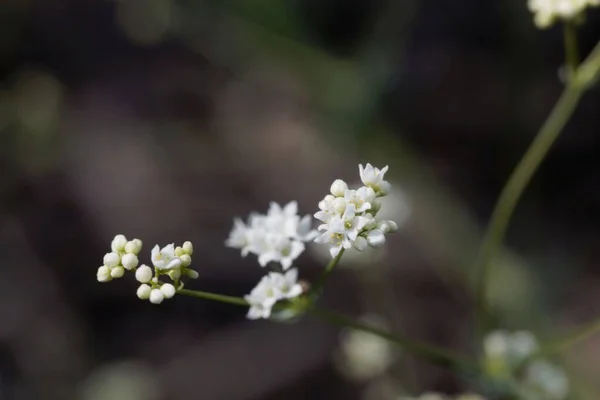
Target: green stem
point(583, 78)
point(433, 354)
point(238, 301)
point(571, 50)
point(318, 287)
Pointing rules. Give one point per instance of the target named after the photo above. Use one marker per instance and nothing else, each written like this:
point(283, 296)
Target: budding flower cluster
point(169, 261)
point(508, 356)
point(277, 238)
point(546, 12)
point(349, 215)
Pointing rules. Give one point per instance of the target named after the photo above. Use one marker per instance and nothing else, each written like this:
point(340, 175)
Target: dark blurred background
point(164, 119)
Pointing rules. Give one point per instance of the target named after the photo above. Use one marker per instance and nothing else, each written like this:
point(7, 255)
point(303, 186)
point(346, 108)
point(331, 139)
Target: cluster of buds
point(546, 12)
point(348, 216)
point(277, 238)
point(508, 356)
point(170, 261)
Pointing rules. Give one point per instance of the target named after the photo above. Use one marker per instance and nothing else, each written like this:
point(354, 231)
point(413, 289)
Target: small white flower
point(118, 243)
point(103, 274)
point(338, 188)
point(262, 298)
point(143, 274)
point(239, 237)
point(341, 232)
point(156, 296)
point(282, 250)
point(117, 272)
point(373, 177)
point(287, 284)
point(165, 258)
point(545, 381)
point(133, 246)
point(168, 290)
point(188, 248)
point(112, 260)
point(361, 198)
point(546, 12)
point(143, 292)
point(129, 261)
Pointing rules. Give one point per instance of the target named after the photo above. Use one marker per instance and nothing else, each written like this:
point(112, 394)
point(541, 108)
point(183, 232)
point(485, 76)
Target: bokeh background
point(164, 119)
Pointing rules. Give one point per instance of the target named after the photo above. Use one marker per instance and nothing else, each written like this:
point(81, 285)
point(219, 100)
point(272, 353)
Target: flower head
point(165, 258)
point(546, 12)
point(272, 288)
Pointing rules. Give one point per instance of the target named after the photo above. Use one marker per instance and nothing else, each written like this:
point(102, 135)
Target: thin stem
point(578, 335)
point(318, 287)
point(431, 353)
point(238, 301)
point(571, 50)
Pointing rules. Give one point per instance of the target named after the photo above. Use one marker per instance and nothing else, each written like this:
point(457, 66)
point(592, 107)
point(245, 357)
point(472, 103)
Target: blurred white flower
point(272, 287)
point(373, 177)
point(546, 12)
point(544, 381)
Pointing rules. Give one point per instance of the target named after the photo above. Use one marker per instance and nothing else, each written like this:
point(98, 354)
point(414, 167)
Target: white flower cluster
point(169, 261)
point(546, 12)
point(506, 352)
point(349, 216)
point(276, 238)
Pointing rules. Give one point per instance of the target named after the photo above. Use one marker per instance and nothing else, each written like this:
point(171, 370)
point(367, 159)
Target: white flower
point(118, 243)
point(103, 274)
point(143, 292)
point(156, 296)
point(129, 261)
point(512, 347)
point(133, 247)
point(546, 12)
point(165, 258)
point(143, 274)
point(112, 260)
point(188, 248)
point(286, 284)
point(373, 177)
point(545, 381)
point(342, 231)
point(282, 250)
point(361, 198)
point(262, 298)
point(338, 188)
point(168, 290)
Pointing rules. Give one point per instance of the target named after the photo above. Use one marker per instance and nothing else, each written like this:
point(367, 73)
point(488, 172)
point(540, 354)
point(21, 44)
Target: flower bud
point(118, 243)
point(338, 188)
point(192, 274)
point(144, 274)
point(168, 290)
point(156, 296)
point(375, 238)
point(111, 259)
point(188, 248)
point(103, 274)
point(117, 272)
point(134, 246)
point(360, 243)
point(186, 260)
point(175, 274)
point(143, 292)
point(129, 261)
point(375, 206)
point(179, 251)
point(339, 205)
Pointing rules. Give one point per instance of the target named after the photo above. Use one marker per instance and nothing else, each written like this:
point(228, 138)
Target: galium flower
point(123, 256)
point(546, 12)
point(349, 216)
point(275, 237)
point(272, 288)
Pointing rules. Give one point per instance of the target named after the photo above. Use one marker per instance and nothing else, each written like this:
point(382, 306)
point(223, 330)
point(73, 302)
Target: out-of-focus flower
point(272, 288)
point(546, 12)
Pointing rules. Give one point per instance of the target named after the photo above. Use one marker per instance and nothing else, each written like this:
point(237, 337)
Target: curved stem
point(431, 353)
point(238, 301)
point(318, 287)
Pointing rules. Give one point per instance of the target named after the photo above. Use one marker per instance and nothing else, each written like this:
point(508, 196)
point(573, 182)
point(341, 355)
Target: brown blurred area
point(164, 119)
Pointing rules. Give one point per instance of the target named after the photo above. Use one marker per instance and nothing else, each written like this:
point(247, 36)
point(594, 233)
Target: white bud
point(188, 248)
point(392, 226)
point(338, 188)
point(168, 290)
point(129, 261)
point(156, 296)
point(192, 274)
point(360, 243)
point(117, 272)
point(175, 274)
point(384, 188)
point(118, 243)
point(143, 292)
point(186, 260)
point(134, 246)
point(371, 223)
point(375, 238)
point(144, 274)
point(103, 274)
point(111, 259)
point(179, 251)
point(375, 206)
point(339, 205)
